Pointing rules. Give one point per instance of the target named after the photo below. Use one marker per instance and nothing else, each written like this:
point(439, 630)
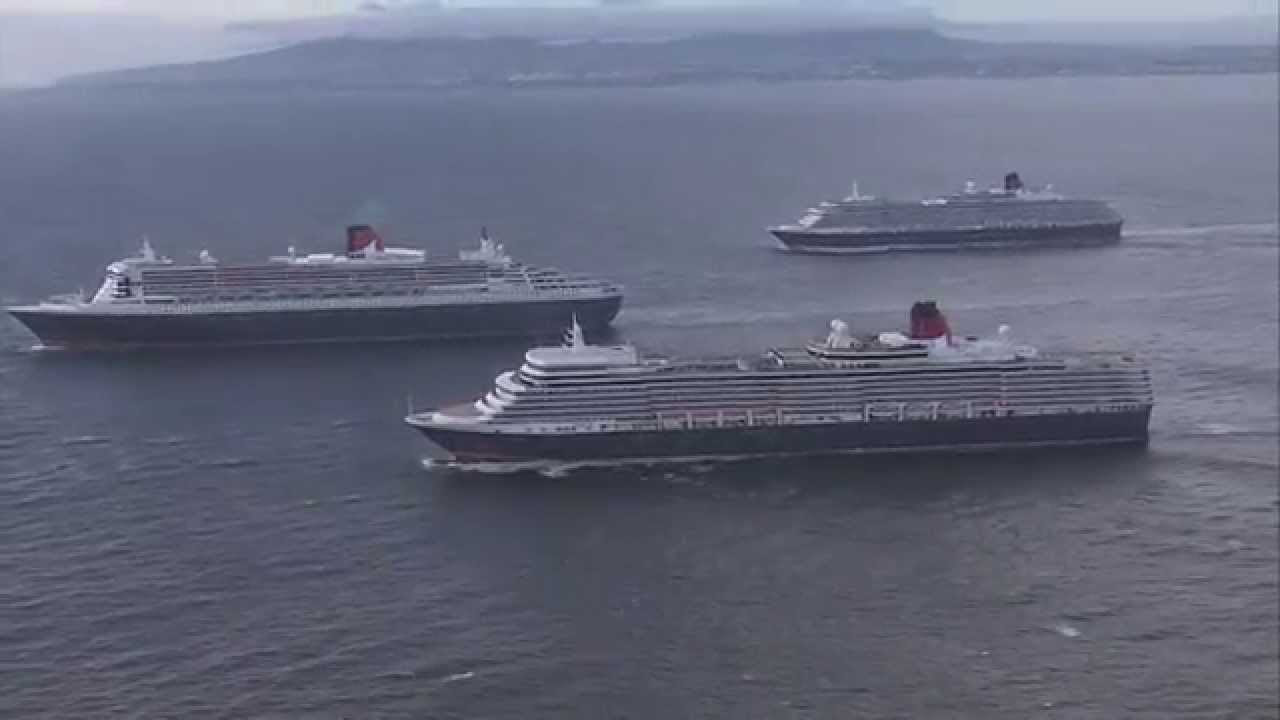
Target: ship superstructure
point(369, 292)
point(922, 390)
point(1007, 216)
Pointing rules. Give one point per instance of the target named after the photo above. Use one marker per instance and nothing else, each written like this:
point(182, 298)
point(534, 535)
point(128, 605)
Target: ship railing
point(361, 289)
point(973, 227)
point(166, 305)
point(867, 413)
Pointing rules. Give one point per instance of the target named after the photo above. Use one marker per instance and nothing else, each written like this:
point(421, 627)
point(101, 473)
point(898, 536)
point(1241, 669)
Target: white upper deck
point(838, 353)
point(576, 354)
point(369, 256)
point(840, 345)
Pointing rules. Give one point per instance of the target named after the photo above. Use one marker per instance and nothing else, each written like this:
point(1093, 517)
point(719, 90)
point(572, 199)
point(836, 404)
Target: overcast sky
point(954, 9)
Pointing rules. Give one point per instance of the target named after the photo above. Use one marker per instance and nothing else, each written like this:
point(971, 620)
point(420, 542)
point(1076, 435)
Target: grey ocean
point(254, 533)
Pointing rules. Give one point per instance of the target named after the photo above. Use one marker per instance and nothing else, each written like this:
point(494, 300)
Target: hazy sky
point(957, 9)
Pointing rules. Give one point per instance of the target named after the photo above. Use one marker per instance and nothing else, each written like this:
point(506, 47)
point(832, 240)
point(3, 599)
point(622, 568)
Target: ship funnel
point(1012, 183)
point(361, 237)
point(928, 322)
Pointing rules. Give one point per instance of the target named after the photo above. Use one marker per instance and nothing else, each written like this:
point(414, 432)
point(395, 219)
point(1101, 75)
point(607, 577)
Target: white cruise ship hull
point(87, 326)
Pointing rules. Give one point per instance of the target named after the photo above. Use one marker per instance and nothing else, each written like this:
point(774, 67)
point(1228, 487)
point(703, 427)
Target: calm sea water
point(253, 533)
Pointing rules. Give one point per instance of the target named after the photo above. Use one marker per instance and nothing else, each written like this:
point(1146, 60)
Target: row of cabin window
point(172, 286)
point(285, 295)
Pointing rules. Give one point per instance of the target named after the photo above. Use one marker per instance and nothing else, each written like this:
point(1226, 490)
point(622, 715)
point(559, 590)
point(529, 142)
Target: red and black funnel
point(928, 322)
point(361, 238)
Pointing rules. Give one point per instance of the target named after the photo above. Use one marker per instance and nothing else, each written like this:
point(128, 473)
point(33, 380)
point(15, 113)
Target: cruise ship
point(369, 292)
point(1002, 217)
point(922, 390)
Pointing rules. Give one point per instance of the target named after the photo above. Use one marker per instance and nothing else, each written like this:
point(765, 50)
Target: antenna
point(574, 338)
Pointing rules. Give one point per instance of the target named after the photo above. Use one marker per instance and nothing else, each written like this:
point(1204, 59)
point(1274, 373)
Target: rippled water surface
point(252, 532)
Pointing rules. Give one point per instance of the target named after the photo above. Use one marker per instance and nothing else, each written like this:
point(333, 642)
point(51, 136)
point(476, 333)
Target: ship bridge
point(576, 354)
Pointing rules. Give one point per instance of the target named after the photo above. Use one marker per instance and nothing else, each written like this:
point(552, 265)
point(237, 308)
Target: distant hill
point(419, 62)
point(37, 49)
point(1232, 30)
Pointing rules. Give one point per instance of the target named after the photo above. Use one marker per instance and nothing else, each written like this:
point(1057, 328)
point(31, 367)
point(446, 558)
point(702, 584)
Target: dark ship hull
point(876, 436)
point(868, 241)
point(85, 327)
